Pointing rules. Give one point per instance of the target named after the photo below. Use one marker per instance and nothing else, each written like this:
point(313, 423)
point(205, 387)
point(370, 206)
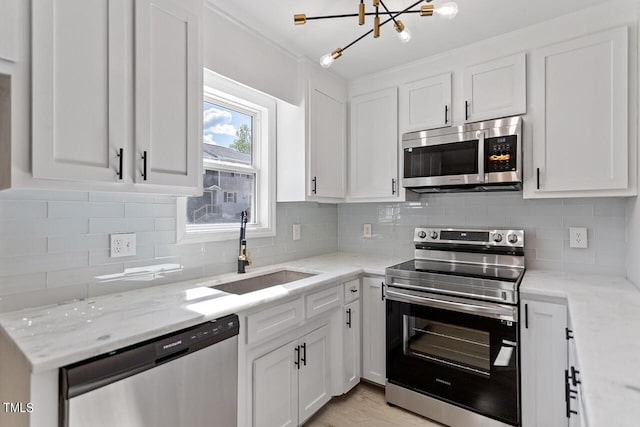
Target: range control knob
point(513, 238)
point(433, 234)
point(497, 238)
point(422, 234)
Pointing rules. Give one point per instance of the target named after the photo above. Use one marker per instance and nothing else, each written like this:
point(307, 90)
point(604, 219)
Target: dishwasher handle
point(83, 377)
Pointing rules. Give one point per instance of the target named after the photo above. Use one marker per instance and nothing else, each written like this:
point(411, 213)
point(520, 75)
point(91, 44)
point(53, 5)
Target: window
point(238, 165)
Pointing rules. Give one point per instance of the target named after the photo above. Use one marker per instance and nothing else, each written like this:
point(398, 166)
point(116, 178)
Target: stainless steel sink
point(257, 283)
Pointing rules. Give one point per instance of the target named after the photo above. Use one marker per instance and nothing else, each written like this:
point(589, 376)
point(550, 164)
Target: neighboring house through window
point(239, 165)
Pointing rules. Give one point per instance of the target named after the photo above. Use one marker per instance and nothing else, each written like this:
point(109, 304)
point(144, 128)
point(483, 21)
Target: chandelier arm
point(352, 15)
point(389, 13)
point(381, 24)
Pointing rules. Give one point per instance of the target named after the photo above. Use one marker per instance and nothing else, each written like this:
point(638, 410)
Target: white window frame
point(232, 95)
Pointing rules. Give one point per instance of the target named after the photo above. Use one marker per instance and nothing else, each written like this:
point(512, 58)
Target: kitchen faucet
point(243, 259)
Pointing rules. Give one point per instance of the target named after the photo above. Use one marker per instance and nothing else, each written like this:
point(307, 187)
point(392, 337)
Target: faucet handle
point(249, 262)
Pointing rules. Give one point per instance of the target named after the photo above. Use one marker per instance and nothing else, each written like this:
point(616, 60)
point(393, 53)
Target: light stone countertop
point(605, 318)
point(53, 336)
point(605, 314)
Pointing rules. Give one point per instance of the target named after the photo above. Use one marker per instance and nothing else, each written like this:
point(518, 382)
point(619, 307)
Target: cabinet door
point(374, 145)
point(9, 30)
point(544, 359)
point(78, 91)
point(275, 388)
point(314, 375)
point(352, 346)
point(373, 331)
point(426, 104)
point(496, 89)
point(327, 146)
point(168, 104)
point(580, 139)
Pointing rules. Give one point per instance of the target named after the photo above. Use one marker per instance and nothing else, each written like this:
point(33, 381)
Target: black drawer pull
point(466, 110)
point(349, 318)
point(297, 357)
point(446, 114)
point(304, 354)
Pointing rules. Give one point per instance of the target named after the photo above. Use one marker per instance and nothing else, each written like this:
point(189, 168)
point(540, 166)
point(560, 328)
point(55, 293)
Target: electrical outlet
point(123, 244)
point(578, 237)
point(366, 230)
point(296, 231)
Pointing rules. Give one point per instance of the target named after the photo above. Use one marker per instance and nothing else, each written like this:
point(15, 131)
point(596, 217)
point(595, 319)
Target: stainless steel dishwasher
point(187, 378)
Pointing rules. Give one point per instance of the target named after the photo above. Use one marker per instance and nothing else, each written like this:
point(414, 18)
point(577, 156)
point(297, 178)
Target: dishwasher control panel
point(201, 335)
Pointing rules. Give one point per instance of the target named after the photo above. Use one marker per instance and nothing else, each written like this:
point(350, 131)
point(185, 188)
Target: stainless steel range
point(452, 327)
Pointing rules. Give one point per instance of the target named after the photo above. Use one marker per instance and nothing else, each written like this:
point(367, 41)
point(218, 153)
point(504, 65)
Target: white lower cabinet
point(351, 345)
point(544, 362)
point(293, 381)
point(373, 330)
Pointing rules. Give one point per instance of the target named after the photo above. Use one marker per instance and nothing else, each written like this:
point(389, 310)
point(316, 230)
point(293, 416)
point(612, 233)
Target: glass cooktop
point(488, 272)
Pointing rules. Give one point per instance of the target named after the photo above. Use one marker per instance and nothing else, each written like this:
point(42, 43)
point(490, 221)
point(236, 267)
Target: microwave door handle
point(481, 157)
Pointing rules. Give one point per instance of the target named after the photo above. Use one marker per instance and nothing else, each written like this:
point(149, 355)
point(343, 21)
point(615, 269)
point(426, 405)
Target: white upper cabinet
point(373, 147)
point(168, 94)
point(495, 89)
point(327, 145)
point(86, 109)
point(78, 89)
point(9, 30)
point(580, 131)
point(426, 103)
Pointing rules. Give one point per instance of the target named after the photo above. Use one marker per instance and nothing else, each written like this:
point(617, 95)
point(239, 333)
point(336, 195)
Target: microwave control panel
point(501, 153)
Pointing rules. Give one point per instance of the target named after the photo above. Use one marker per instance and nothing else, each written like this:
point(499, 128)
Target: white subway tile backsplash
point(54, 246)
point(546, 224)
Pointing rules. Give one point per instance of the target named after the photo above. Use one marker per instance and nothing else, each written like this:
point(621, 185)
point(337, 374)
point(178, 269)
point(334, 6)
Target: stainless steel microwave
point(483, 156)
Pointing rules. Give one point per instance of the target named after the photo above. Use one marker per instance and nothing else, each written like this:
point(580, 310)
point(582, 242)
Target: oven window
point(459, 158)
point(451, 345)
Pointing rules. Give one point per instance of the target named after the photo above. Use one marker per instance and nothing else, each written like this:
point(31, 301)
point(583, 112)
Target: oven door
point(464, 352)
point(446, 160)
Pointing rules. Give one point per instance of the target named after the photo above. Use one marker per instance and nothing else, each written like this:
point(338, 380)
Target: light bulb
point(327, 60)
point(404, 35)
point(447, 10)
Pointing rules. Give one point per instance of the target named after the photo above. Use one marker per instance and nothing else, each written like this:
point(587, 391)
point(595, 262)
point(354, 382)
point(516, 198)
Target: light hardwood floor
point(365, 406)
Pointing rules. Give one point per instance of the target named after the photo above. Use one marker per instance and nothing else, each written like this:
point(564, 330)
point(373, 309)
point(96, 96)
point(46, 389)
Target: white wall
point(234, 52)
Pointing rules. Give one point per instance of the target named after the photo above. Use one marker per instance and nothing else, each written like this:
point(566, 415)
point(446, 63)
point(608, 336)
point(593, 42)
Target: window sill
point(224, 235)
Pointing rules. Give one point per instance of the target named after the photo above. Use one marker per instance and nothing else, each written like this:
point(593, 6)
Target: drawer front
point(351, 291)
point(274, 320)
point(324, 300)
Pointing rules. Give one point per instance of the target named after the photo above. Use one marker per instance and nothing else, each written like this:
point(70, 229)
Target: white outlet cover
point(123, 244)
point(296, 231)
point(366, 230)
point(578, 237)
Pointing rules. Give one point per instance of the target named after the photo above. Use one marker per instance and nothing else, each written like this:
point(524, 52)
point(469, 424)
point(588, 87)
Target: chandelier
point(446, 10)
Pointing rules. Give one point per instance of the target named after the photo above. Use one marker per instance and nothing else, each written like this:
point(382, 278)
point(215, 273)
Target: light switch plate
point(296, 231)
point(123, 244)
point(578, 237)
point(366, 230)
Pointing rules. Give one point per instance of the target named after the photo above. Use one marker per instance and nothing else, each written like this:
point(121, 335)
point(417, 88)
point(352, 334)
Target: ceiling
point(476, 20)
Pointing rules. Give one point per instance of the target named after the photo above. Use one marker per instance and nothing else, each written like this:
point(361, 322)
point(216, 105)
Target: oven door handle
point(499, 312)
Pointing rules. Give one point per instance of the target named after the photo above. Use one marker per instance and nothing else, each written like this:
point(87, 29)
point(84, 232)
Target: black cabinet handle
point(538, 178)
point(304, 354)
point(568, 395)
point(120, 160)
point(297, 357)
point(314, 181)
point(574, 376)
point(353, 291)
point(382, 291)
point(526, 316)
point(568, 333)
point(393, 186)
point(144, 165)
point(446, 114)
point(466, 110)
point(349, 318)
